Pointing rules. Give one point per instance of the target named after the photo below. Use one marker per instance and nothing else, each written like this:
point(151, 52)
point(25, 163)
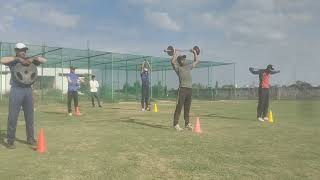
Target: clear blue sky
point(247, 32)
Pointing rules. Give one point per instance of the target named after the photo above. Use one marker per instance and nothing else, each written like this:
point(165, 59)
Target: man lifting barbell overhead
point(23, 75)
point(183, 70)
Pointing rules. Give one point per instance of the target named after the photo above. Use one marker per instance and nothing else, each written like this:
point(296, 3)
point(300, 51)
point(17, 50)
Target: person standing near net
point(183, 70)
point(73, 87)
point(263, 90)
point(144, 87)
point(20, 96)
point(94, 85)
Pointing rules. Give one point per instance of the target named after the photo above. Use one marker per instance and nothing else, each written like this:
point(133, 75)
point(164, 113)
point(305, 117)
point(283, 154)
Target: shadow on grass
point(54, 112)
point(130, 120)
point(221, 116)
point(3, 135)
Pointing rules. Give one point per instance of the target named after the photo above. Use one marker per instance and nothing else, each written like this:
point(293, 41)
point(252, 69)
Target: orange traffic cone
point(197, 128)
point(41, 142)
point(78, 111)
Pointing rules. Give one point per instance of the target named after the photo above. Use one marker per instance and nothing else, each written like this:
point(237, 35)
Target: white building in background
point(60, 82)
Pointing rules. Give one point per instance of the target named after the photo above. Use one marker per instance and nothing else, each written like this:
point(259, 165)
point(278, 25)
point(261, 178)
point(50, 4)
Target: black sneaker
point(100, 106)
point(32, 142)
point(11, 146)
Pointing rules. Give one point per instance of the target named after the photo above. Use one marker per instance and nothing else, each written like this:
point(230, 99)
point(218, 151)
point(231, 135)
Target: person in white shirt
point(94, 85)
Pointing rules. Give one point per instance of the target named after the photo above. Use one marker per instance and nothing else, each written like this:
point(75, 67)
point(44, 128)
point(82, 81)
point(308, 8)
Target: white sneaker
point(266, 119)
point(260, 119)
point(143, 109)
point(70, 114)
point(178, 128)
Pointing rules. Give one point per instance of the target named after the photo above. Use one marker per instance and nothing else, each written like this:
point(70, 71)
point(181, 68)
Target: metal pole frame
point(112, 86)
point(1, 72)
point(62, 75)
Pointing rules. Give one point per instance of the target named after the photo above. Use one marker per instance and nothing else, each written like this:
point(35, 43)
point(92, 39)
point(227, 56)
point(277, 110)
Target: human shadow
point(222, 116)
point(3, 135)
point(130, 120)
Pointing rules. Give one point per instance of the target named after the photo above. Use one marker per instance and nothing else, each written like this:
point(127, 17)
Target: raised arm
point(40, 59)
point(174, 60)
point(8, 60)
point(142, 66)
point(254, 71)
point(274, 72)
point(195, 58)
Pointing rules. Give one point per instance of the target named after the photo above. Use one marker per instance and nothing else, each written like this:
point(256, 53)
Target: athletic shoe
point(260, 119)
point(266, 118)
point(100, 106)
point(11, 146)
point(189, 127)
point(70, 114)
point(32, 142)
point(178, 128)
point(143, 109)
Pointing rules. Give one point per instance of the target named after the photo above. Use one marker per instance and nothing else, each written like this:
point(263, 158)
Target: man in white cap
point(20, 95)
point(144, 88)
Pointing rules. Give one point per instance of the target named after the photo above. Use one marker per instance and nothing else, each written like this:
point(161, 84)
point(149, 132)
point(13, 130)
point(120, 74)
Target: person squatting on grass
point(20, 95)
point(94, 85)
point(183, 70)
point(73, 87)
point(263, 90)
point(144, 88)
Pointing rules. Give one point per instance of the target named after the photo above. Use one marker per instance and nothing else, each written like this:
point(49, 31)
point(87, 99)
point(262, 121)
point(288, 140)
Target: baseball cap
point(270, 66)
point(21, 46)
point(145, 69)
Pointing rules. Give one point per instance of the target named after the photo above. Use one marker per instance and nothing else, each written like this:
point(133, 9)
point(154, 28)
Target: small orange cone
point(197, 128)
point(41, 142)
point(78, 111)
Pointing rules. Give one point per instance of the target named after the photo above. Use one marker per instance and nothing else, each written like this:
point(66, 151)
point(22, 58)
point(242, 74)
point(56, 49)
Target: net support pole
point(234, 79)
point(151, 78)
point(41, 80)
point(136, 82)
point(1, 71)
point(89, 65)
point(112, 86)
point(165, 81)
point(127, 80)
point(55, 76)
point(61, 58)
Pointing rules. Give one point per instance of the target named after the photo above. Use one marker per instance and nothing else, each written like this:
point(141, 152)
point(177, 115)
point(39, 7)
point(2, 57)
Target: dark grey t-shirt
point(184, 74)
point(14, 82)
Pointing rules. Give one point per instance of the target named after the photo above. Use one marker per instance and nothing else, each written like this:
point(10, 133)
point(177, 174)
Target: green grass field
point(119, 142)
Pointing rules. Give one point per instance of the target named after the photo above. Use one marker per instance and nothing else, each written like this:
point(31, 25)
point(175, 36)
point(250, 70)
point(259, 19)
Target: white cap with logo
point(21, 46)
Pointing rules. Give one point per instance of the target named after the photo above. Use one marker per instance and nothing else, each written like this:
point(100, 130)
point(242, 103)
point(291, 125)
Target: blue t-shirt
point(145, 78)
point(74, 85)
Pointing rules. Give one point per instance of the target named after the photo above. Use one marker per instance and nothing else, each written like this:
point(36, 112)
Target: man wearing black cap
point(73, 87)
point(20, 96)
point(183, 70)
point(263, 91)
point(144, 87)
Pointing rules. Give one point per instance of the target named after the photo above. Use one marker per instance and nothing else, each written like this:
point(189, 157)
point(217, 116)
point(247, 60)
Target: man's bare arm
point(195, 58)
point(8, 60)
point(174, 60)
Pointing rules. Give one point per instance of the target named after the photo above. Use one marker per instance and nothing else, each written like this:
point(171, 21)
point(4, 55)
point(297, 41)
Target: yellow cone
point(270, 117)
point(155, 108)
